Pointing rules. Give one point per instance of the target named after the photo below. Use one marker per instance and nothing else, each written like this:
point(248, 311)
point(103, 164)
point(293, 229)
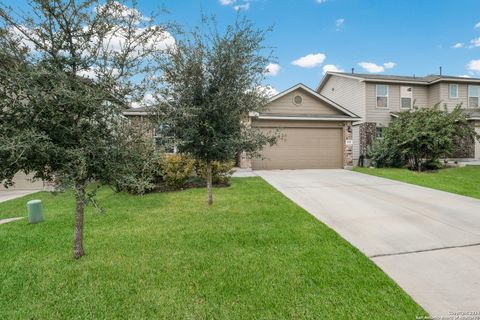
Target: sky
point(310, 37)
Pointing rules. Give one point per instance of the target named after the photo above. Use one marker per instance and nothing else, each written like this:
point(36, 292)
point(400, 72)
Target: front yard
point(254, 254)
point(464, 181)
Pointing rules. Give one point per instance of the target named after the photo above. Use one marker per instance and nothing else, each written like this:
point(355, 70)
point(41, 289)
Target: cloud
point(474, 66)
point(375, 68)
point(332, 68)
point(311, 60)
point(389, 65)
point(477, 25)
point(272, 69)
point(339, 23)
point(475, 43)
point(243, 6)
point(458, 45)
point(321, 1)
point(464, 76)
point(269, 91)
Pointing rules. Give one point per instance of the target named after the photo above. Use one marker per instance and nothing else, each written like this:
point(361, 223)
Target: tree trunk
point(209, 183)
point(79, 214)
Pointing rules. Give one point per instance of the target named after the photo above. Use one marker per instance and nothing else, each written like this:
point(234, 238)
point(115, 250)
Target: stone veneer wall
point(367, 135)
point(348, 149)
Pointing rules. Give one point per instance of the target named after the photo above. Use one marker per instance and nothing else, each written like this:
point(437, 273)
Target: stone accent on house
point(244, 161)
point(367, 135)
point(348, 146)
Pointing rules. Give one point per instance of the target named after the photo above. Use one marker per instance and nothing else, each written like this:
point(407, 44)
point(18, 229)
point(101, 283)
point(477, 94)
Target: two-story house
point(333, 126)
point(377, 98)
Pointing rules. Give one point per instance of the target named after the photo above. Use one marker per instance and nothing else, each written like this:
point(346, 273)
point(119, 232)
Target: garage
point(304, 148)
point(315, 132)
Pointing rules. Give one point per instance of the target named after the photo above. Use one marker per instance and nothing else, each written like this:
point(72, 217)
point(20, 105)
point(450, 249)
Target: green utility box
point(35, 211)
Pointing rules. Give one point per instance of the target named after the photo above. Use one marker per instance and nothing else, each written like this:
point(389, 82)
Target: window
point(382, 96)
point(473, 94)
point(297, 100)
point(406, 97)
point(379, 132)
point(453, 91)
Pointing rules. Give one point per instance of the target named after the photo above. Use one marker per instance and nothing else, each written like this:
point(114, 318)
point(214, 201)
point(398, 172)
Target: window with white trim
point(473, 96)
point(163, 140)
point(382, 95)
point(406, 97)
point(453, 90)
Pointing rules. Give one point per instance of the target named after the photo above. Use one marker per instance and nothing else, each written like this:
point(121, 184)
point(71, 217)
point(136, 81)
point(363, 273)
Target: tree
point(419, 138)
point(73, 66)
point(210, 84)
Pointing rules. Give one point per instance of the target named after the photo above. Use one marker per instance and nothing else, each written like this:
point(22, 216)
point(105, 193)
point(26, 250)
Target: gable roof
point(369, 77)
point(318, 96)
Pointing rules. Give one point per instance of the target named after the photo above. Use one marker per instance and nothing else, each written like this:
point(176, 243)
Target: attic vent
point(297, 100)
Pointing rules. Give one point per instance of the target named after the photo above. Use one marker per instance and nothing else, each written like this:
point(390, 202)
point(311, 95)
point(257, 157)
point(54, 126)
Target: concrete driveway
point(13, 194)
point(427, 240)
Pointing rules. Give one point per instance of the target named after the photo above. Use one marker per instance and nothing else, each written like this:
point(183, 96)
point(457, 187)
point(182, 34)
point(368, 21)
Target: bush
point(383, 154)
point(419, 138)
point(140, 172)
point(221, 171)
point(176, 169)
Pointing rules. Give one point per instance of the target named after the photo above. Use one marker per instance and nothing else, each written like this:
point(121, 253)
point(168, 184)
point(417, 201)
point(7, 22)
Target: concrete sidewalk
point(427, 240)
point(9, 195)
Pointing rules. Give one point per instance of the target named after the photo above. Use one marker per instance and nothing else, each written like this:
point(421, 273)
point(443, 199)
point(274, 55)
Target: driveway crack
point(423, 250)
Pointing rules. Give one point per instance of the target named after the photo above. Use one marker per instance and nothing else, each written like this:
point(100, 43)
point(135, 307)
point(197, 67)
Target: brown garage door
point(304, 148)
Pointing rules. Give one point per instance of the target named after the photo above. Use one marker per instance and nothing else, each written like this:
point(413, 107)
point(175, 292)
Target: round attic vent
point(297, 100)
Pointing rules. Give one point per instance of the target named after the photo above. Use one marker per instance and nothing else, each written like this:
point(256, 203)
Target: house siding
point(444, 95)
point(382, 115)
point(310, 105)
point(347, 92)
point(434, 94)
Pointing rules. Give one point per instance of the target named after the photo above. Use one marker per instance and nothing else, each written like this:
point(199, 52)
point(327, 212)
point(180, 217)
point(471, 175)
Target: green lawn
point(464, 181)
point(253, 255)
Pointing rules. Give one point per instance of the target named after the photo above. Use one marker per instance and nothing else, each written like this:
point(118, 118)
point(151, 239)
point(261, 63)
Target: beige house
point(377, 98)
point(316, 132)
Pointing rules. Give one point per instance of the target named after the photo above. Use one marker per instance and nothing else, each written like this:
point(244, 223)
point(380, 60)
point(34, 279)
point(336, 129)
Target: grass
point(253, 255)
point(464, 181)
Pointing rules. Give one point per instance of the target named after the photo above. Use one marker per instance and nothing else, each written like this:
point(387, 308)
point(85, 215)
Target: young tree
point(210, 84)
point(73, 66)
point(419, 138)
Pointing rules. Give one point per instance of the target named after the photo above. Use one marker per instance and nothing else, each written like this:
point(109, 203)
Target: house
point(316, 132)
point(377, 98)
point(333, 126)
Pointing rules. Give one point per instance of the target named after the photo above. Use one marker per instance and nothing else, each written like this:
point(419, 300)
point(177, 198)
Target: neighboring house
point(377, 99)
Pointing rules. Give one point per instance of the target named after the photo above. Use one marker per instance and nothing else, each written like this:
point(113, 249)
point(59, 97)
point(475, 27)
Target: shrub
point(221, 171)
point(141, 172)
point(420, 137)
point(384, 154)
point(176, 169)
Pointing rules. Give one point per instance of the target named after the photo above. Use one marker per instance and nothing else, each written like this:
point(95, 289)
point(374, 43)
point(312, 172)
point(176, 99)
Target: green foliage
point(255, 255)
point(67, 82)
point(464, 181)
point(141, 173)
point(210, 84)
point(177, 169)
point(421, 137)
point(221, 171)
